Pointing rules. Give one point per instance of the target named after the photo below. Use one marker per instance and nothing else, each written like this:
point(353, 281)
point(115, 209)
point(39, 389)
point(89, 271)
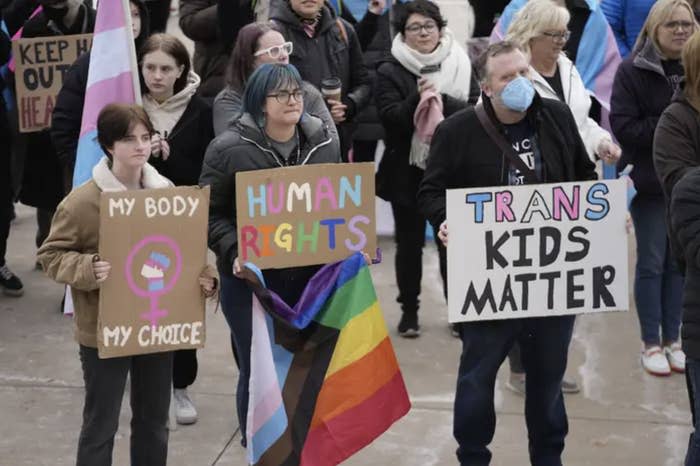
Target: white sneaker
point(185, 412)
point(654, 361)
point(676, 357)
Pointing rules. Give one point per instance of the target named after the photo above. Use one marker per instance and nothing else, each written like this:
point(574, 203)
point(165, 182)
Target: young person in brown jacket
point(69, 256)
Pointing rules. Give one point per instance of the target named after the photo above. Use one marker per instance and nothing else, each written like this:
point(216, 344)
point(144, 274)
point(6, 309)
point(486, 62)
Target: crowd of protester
point(527, 99)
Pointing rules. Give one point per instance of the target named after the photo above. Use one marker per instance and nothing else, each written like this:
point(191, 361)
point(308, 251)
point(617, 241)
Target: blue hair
point(266, 79)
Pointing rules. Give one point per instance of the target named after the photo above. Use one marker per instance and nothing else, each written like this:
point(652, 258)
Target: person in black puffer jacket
point(43, 184)
point(198, 21)
point(68, 111)
point(398, 93)
point(326, 46)
point(250, 144)
point(685, 221)
point(643, 87)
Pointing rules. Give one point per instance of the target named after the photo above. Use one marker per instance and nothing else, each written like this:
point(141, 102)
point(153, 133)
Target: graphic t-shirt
point(674, 72)
point(522, 137)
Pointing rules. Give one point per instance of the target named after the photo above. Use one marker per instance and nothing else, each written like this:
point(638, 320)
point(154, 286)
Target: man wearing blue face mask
point(512, 137)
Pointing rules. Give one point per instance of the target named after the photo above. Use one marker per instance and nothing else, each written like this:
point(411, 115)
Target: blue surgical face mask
point(518, 94)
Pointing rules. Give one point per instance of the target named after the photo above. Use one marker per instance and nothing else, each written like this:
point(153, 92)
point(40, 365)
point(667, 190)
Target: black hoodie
point(68, 112)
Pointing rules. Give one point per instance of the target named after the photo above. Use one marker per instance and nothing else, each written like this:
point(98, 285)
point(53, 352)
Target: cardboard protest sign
point(305, 215)
point(537, 250)
point(156, 242)
point(41, 65)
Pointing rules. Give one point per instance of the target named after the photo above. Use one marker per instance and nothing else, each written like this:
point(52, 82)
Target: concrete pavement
point(623, 417)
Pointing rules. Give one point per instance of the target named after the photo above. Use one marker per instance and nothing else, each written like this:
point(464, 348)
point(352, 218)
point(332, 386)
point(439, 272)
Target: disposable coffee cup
point(331, 89)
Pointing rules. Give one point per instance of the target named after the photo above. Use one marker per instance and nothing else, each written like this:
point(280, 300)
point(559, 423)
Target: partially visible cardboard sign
point(305, 215)
point(41, 65)
point(156, 242)
point(537, 250)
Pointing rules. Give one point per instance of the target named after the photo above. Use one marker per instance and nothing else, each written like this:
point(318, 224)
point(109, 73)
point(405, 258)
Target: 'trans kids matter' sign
point(41, 64)
point(156, 242)
point(537, 250)
point(305, 215)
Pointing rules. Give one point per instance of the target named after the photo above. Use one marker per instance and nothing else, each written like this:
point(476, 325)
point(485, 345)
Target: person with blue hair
point(274, 131)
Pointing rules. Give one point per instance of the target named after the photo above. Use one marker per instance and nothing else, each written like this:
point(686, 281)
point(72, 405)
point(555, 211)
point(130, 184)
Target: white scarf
point(107, 182)
point(454, 76)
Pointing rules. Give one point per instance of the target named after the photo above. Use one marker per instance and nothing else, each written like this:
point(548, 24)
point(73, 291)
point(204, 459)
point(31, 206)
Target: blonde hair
point(658, 15)
point(691, 64)
point(536, 17)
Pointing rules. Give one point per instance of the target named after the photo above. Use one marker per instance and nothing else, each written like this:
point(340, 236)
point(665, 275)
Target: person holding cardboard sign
point(69, 256)
point(273, 132)
point(513, 137)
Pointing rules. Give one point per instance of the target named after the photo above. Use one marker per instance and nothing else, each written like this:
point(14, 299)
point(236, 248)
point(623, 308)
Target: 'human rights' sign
point(305, 215)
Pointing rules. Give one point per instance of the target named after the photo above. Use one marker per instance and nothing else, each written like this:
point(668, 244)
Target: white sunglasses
point(275, 51)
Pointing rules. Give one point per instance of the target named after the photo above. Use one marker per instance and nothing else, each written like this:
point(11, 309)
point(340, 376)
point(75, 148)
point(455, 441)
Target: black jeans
point(151, 378)
point(5, 197)
point(544, 344)
point(43, 223)
point(184, 368)
point(409, 234)
point(363, 151)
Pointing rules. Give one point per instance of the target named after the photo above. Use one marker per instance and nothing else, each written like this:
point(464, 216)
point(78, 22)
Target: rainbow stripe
point(324, 381)
point(112, 77)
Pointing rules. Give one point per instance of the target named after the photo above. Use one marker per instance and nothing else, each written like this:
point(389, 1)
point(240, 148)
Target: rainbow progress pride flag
point(324, 379)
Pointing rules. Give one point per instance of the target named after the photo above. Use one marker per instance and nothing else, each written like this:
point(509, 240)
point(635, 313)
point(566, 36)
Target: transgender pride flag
point(113, 77)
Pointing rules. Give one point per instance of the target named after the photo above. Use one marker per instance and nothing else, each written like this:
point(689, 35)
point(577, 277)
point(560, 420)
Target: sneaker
point(569, 386)
point(11, 285)
point(654, 361)
point(408, 325)
point(516, 383)
point(454, 330)
point(185, 412)
point(676, 357)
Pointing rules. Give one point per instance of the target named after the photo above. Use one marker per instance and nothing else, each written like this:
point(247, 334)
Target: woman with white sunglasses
point(257, 44)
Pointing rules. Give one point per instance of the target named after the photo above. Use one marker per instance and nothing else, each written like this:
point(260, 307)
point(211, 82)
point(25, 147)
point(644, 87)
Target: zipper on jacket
point(325, 143)
point(272, 153)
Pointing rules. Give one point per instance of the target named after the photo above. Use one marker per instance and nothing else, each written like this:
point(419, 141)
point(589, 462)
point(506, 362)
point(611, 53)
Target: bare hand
point(237, 268)
point(608, 151)
point(424, 84)
point(337, 110)
point(164, 149)
point(101, 270)
point(377, 6)
point(208, 284)
point(442, 233)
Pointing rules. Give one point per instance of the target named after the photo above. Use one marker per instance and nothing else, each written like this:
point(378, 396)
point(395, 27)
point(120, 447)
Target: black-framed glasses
point(683, 25)
point(429, 27)
point(560, 36)
point(276, 51)
point(283, 97)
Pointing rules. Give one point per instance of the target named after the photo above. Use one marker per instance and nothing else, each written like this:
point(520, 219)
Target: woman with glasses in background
point(643, 88)
point(540, 28)
point(257, 44)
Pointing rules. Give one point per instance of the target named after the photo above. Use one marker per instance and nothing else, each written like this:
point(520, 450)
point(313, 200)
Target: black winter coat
point(676, 142)
point(685, 221)
point(188, 143)
point(198, 21)
point(68, 112)
point(462, 155)
point(334, 51)
point(640, 94)
point(244, 147)
point(44, 180)
point(397, 97)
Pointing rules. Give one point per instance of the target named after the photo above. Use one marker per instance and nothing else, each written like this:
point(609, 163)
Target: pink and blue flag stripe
point(112, 77)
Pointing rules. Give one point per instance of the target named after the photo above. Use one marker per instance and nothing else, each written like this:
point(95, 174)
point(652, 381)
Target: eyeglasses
point(415, 28)
point(276, 51)
point(558, 36)
point(283, 97)
point(684, 25)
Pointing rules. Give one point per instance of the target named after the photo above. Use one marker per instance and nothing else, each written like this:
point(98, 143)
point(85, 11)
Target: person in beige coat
point(69, 256)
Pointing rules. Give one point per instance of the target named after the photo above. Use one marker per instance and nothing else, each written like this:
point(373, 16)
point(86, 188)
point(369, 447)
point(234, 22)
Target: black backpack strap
point(514, 159)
